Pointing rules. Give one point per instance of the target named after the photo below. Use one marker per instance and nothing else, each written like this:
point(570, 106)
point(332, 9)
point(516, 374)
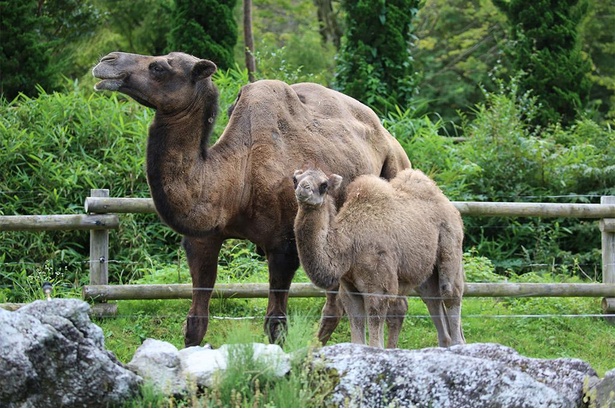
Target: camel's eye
point(323, 187)
point(156, 68)
point(295, 181)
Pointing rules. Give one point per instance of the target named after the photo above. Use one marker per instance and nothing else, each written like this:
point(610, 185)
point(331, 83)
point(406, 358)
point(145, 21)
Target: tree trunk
point(249, 39)
point(330, 31)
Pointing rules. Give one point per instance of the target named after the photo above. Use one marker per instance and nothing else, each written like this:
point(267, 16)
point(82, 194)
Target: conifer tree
point(374, 63)
point(547, 52)
point(205, 29)
point(24, 55)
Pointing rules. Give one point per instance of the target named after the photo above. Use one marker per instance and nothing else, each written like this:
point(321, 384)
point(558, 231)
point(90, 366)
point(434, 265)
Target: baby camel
point(387, 239)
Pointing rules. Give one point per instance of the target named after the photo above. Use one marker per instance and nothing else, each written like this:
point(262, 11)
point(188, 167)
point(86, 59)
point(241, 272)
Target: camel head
point(170, 83)
point(312, 186)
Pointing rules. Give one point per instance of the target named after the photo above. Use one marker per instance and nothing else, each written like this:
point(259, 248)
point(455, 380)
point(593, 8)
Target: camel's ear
point(335, 181)
point(297, 173)
point(203, 69)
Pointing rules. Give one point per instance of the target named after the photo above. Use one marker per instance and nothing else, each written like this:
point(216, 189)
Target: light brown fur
point(240, 187)
point(387, 239)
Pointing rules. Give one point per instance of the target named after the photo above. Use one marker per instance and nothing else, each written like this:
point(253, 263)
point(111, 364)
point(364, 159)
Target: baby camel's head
point(312, 185)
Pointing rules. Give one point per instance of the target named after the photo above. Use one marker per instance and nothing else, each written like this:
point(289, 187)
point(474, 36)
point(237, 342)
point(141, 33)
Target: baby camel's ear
point(335, 181)
point(297, 173)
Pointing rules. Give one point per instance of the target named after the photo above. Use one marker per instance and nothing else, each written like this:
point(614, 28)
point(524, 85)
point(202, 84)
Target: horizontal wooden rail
point(59, 222)
point(119, 205)
point(102, 293)
point(579, 210)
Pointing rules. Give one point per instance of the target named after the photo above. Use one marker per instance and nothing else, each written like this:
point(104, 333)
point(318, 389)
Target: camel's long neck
point(182, 174)
point(321, 247)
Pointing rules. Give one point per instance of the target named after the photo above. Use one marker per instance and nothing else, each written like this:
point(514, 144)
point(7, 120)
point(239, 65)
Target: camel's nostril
point(108, 57)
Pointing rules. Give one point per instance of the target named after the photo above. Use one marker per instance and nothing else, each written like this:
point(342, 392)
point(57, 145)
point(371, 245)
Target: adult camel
point(241, 186)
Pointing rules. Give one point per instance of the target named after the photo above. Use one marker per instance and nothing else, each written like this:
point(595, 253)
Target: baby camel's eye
point(323, 187)
point(295, 181)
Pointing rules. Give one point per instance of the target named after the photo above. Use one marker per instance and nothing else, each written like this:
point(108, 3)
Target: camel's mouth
point(109, 84)
point(110, 78)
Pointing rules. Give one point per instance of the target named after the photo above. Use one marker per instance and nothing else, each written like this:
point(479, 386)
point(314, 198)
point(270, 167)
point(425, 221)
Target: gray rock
point(601, 393)
point(159, 364)
point(52, 355)
point(475, 375)
point(565, 375)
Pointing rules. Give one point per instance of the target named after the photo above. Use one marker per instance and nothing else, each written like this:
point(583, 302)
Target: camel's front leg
point(353, 304)
point(202, 256)
point(332, 313)
point(282, 267)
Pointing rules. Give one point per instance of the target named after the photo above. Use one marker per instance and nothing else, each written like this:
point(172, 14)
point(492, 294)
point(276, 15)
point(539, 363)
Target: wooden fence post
point(99, 249)
point(607, 227)
point(99, 261)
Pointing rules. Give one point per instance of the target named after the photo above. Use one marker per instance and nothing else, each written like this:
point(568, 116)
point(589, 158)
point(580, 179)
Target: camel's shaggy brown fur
point(387, 239)
point(240, 187)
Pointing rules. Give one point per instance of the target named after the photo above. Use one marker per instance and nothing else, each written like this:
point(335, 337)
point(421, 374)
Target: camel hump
point(418, 184)
point(309, 101)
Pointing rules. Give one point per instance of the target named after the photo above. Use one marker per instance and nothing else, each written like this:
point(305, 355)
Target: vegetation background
point(461, 102)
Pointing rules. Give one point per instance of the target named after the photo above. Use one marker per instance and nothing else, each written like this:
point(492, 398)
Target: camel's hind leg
point(376, 307)
point(353, 304)
point(454, 321)
point(430, 294)
point(202, 256)
point(451, 276)
point(332, 313)
point(398, 307)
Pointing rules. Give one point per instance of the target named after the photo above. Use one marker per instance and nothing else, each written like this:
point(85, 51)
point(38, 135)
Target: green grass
point(535, 327)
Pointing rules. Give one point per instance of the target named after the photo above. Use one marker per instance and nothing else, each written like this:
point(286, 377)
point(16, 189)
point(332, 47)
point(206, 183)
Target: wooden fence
point(101, 216)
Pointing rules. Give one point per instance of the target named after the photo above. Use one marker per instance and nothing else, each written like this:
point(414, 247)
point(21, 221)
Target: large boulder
point(52, 355)
point(473, 375)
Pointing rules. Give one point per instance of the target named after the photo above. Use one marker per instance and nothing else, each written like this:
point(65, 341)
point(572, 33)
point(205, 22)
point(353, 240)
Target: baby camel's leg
point(398, 307)
point(332, 312)
point(453, 306)
point(352, 301)
point(451, 270)
point(430, 294)
point(376, 306)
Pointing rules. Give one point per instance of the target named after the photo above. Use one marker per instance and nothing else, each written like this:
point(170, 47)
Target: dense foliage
point(457, 53)
point(38, 42)
point(24, 55)
point(205, 28)
point(374, 63)
point(546, 49)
